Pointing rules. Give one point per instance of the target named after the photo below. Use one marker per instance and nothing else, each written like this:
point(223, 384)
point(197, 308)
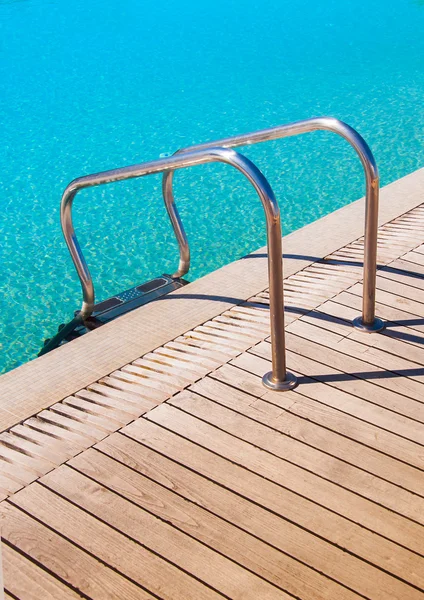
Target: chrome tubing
point(368, 321)
point(279, 378)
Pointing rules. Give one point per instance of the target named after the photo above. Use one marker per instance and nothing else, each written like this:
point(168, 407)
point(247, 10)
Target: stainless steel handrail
point(279, 378)
point(368, 322)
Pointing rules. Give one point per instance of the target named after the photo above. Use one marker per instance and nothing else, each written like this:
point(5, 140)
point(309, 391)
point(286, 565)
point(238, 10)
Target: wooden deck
point(179, 476)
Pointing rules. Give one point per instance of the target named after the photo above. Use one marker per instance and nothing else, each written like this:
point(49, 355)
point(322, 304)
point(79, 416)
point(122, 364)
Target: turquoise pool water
point(89, 85)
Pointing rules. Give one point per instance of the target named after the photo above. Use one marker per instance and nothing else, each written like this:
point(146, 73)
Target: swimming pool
point(88, 86)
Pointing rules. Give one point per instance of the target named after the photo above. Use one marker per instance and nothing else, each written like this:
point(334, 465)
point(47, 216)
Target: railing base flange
point(374, 327)
point(289, 383)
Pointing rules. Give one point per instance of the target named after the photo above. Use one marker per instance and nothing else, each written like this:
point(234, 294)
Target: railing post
point(279, 379)
point(368, 322)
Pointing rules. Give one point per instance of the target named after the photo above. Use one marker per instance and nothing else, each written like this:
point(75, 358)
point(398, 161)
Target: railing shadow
point(390, 331)
point(367, 375)
point(389, 325)
point(208, 297)
point(338, 261)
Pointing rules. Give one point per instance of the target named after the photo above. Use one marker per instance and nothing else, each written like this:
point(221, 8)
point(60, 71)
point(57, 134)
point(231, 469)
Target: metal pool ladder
point(279, 379)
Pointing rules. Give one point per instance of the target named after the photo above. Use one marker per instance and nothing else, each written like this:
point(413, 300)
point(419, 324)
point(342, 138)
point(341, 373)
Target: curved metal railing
point(279, 378)
point(368, 321)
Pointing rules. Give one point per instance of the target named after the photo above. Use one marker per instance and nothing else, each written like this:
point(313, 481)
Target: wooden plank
point(319, 290)
point(176, 360)
point(90, 433)
point(186, 352)
point(259, 300)
point(110, 413)
point(141, 384)
point(61, 447)
point(208, 346)
point(400, 271)
point(125, 407)
point(22, 475)
point(401, 239)
point(187, 553)
point(157, 364)
point(32, 449)
point(325, 275)
point(377, 364)
point(185, 356)
point(413, 216)
point(363, 399)
point(131, 376)
point(302, 302)
point(228, 332)
point(64, 560)
point(355, 258)
point(252, 518)
point(410, 219)
point(35, 464)
point(256, 314)
point(8, 486)
point(266, 434)
point(124, 398)
point(401, 290)
point(351, 268)
point(93, 421)
point(307, 297)
point(220, 337)
point(336, 270)
point(414, 258)
point(293, 478)
point(123, 555)
point(395, 338)
point(401, 234)
point(231, 541)
point(398, 237)
point(310, 292)
point(336, 410)
point(183, 353)
point(136, 389)
point(414, 271)
point(24, 579)
point(399, 227)
point(249, 316)
point(394, 301)
point(347, 405)
point(280, 417)
point(384, 255)
point(45, 426)
point(361, 576)
point(244, 324)
point(161, 373)
point(292, 311)
point(145, 376)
